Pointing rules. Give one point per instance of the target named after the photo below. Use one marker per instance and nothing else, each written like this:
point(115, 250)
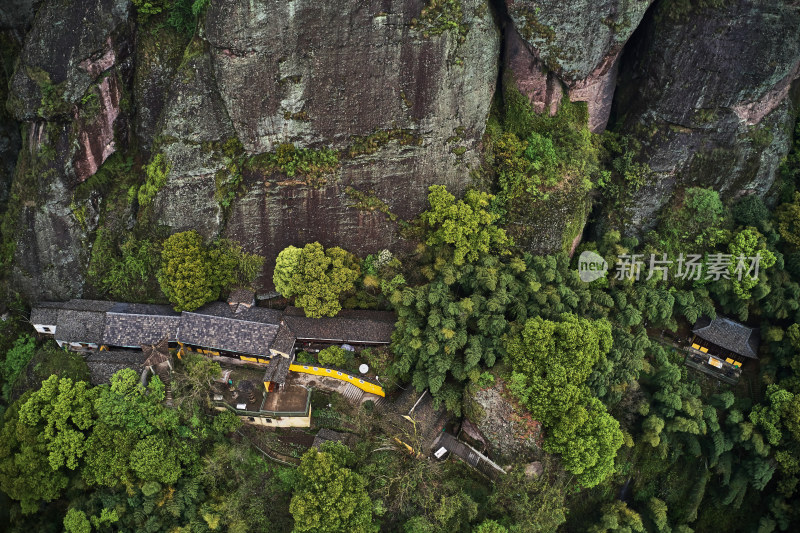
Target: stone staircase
point(352, 394)
point(469, 455)
point(166, 377)
point(380, 402)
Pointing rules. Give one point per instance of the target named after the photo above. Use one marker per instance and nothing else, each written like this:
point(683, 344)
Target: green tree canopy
point(618, 518)
point(15, 361)
point(587, 437)
point(76, 522)
point(43, 439)
point(25, 472)
point(748, 243)
point(154, 458)
point(193, 274)
point(788, 216)
point(329, 497)
point(454, 324)
point(316, 277)
point(553, 360)
point(333, 355)
point(529, 505)
point(63, 411)
point(467, 225)
point(285, 265)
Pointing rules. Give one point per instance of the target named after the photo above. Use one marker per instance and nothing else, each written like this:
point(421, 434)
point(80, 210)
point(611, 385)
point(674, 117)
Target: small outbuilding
point(720, 346)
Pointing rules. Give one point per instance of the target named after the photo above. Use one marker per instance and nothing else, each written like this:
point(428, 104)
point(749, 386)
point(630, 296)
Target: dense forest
point(476, 249)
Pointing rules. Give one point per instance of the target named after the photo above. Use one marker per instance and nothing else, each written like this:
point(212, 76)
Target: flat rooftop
point(248, 383)
point(292, 398)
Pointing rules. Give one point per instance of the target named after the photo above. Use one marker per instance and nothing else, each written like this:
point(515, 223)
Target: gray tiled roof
point(277, 370)
point(143, 309)
point(100, 306)
point(361, 330)
point(80, 326)
point(729, 334)
point(123, 329)
point(254, 314)
point(45, 313)
point(253, 331)
point(284, 340)
point(104, 364)
point(229, 334)
point(242, 296)
point(82, 320)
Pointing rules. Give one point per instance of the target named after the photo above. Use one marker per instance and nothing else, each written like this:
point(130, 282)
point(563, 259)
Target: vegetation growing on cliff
point(595, 363)
point(439, 16)
point(533, 153)
point(156, 177)
point(314, 166)
point(192, 274)
point(181, 14)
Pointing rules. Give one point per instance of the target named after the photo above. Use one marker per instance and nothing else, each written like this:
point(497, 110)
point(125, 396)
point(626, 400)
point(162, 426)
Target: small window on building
point(46, 329)
point(251, 419)
point(268, 420)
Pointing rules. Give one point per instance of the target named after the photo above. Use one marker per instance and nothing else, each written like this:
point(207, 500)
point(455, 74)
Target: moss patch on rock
point(314, 166)
point(369, 144)
point(439, 16)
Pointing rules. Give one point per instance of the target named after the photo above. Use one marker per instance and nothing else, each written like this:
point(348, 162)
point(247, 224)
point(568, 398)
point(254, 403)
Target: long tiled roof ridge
point(143, 309)
point(258, 328)
point(239, 319)
point(233, 335)
point(148, 315)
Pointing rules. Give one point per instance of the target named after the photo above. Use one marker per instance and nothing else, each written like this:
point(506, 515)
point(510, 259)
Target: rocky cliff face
point(403, 105)
point(396, 93)
point(67, 89)
point(710, 95)
point(573, 46)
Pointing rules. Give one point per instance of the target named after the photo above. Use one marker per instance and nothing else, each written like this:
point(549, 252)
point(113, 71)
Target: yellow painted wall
point(366, 386)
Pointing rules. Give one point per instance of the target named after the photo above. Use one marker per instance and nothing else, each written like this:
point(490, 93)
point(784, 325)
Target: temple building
point(236, 329)
point(116, 335)
point(720, 346)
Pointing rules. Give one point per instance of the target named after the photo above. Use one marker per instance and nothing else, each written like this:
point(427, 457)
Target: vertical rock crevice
point(708, 93)
point(573, 47)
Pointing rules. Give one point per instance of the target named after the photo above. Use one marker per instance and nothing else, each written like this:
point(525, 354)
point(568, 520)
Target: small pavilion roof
point(729, 334)
point(155, 354)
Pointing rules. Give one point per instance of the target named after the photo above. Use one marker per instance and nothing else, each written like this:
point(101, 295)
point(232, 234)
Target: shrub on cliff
point(193, 274)
point(182, 14)
point(156, 172)
point(145, 8)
